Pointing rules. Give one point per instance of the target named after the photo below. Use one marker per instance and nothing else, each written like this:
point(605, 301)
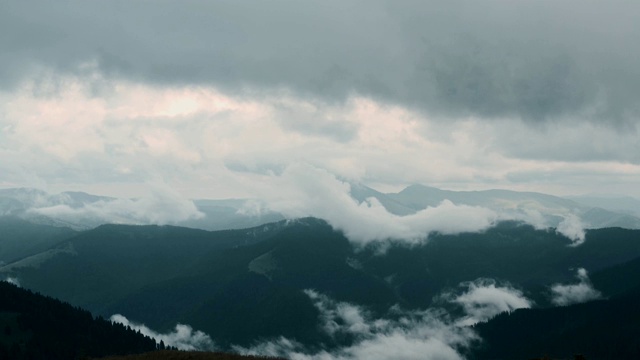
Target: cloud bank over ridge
point(162, 206)
point(159, 205)
point(302, 190)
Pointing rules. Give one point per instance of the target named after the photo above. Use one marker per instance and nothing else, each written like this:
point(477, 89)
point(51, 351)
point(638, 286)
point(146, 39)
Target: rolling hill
point(239, 286)
point(82, 211)
point(20, 238)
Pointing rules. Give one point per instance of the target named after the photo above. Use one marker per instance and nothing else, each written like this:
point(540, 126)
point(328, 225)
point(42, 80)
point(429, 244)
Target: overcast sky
point(216, 98)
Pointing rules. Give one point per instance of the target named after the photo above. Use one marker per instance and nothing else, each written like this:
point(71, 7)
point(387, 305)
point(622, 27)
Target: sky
point(218, 99)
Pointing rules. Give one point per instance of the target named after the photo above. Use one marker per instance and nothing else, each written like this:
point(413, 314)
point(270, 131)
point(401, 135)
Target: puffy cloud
point(183, 337)
point(342, 317)
point(484, 299)
point(402, 335)
point(162, 206)
point(210, 143)
point(573, 228)
point(302, 190)
point(574, 293)
point(407, 345)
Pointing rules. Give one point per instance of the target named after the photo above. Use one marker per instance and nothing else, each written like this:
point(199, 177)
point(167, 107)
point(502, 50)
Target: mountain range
point(304, 288)
point(82, 211)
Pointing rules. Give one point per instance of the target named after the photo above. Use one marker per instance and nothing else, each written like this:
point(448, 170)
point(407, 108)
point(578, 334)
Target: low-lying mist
point(401, 334)
point(302, 190)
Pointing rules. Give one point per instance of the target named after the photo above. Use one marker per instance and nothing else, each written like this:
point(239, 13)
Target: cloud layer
point(207, 143)
point(183, 337)
point(583, 291)
point(437, 55)
point(162, 206)
point(302, 190)
point(402, 334)
point(158, 204)
point(408, 335)
point(484, 299)
point(110, 97)
point(573, 228)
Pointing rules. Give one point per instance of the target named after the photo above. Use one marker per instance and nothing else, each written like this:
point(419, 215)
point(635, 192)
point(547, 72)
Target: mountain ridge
point(30, 204)
point(144, 272)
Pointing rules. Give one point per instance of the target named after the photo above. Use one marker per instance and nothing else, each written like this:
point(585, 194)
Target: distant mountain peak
point(420, 187)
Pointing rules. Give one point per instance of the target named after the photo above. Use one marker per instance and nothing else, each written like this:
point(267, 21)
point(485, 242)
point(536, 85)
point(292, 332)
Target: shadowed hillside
point(20, 238)
point(37, 327)
point(603, 329)
point(244, 285)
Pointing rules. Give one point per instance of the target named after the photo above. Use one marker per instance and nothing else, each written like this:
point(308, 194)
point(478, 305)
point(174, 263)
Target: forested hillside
point(603, 329)
point(240, 287)
point(36, 327)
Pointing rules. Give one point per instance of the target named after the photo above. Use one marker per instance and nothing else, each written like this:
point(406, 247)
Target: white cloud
point(163, 205)
point(429, 334)
point(281, 347)
point(483, 300)
point(183, 337)
point(573, 228)
point(575, 293)
point(208, 143)
point(408, 345)
point(302, 190)
point(404, 335)
point(342, 317)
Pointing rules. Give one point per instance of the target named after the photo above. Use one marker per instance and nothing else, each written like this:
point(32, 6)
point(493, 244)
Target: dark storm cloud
point(537, 60)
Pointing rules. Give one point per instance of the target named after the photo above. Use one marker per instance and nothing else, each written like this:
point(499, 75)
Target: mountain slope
point(604, 329)
point(243, 285)
point(621, 204)
point(100, 266)
point(238, 294)
point(20, 238)
point(37, 327)
point(618, 279)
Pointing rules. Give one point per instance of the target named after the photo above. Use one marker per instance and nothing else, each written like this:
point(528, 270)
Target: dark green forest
point(36, 327)
point(245, 286)
point(603, 329)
